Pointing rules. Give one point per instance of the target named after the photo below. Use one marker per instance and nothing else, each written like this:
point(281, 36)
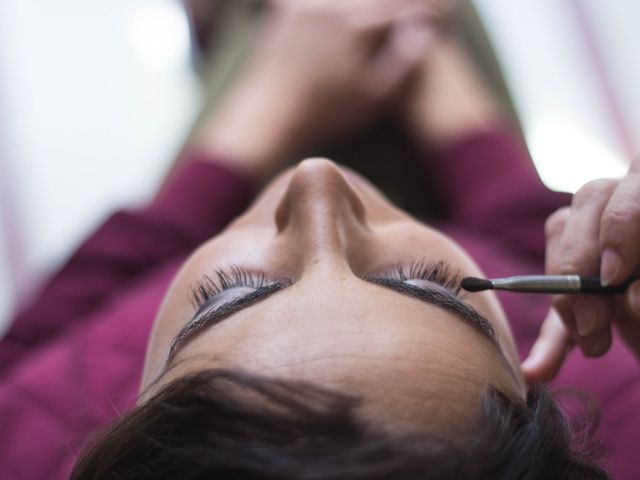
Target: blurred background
point(97, 96)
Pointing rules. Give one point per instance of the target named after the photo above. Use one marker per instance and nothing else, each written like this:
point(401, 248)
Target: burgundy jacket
point(72, 360)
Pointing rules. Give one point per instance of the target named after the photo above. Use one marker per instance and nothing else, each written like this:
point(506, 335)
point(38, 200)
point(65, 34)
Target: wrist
point(256, 129)
point(451, 101)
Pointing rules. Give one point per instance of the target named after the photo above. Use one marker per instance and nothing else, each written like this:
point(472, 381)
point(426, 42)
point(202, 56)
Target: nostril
point(319, 193)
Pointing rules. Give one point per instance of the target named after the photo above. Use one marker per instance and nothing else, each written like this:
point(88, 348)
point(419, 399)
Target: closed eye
point(207, 316)
point(438, 272)
point(213, 304)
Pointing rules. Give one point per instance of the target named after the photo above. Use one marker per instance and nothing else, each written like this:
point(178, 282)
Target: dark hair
point(232, 425)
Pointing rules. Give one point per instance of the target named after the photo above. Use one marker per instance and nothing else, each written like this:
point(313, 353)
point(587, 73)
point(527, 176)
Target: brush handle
point(557, 284)
point(593, 285)
point(538, 283)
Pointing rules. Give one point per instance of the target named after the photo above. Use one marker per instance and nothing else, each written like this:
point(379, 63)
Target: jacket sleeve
point(197, 201)
point(490, 185)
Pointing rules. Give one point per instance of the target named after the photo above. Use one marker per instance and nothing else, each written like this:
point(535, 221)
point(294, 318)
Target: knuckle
point(613, 223)
point(612, 217)
point(554, 225)
point(576, 257)
point(619, 222)
point(561, 304)
point(593, 191)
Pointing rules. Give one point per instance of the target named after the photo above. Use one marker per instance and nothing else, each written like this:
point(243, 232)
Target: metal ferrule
point(539, 283)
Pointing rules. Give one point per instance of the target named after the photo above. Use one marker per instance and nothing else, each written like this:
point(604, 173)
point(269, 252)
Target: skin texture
point(597, 234)
point(326, 229)
point(292, 105)
point(441, 98)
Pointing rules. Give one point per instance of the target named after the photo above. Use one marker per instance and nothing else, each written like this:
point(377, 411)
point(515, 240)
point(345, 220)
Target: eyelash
point(436, 272)
point(236, 276)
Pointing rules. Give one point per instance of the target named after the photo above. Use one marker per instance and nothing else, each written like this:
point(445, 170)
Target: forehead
point(355, 336)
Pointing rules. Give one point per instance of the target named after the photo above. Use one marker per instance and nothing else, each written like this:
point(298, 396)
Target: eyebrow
point(445, 299)
point(206, 317)
point(436, 295)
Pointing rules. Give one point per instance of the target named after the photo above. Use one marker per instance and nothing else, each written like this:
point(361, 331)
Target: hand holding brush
point(556, 284)
point(599, 234)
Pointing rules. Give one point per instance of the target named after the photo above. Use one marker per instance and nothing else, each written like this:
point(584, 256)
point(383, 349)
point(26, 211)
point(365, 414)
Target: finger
point(578, 251)
point(596, 344)
point(399, 58)
point(563, 307)
point(632, 300)
point(549, 350)
point(553, 228)
point(377, 14)
point(593, 315)
point(628, 321)
point(620, 229)
point(575, 310)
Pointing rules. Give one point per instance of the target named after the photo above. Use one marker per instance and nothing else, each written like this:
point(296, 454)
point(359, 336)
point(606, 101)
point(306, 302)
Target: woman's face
point(323, 280)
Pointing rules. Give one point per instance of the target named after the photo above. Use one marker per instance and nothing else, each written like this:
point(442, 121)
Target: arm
point(484, 173)
point(53, 401)
point(491, 185)
point(198, 200)
point(313, 85)
point(273, 113)
point(597, 235)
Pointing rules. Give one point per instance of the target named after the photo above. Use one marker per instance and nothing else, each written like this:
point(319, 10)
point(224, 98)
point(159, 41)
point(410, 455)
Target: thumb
point(549, 350)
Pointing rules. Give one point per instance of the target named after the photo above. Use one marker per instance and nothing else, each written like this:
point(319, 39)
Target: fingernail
point(585, 319)
point(597, 348)
point(527, 364)
point(611, 263)
point(531, 360)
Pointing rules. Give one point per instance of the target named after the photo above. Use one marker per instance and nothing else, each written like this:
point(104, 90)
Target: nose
point(320, 210)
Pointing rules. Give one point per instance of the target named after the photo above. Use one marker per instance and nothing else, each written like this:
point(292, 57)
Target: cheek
point(410, 241)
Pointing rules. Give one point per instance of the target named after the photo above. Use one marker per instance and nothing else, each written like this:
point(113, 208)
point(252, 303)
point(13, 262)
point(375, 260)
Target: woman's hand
point(342, 59)
point(320, 68)
point(599, 234)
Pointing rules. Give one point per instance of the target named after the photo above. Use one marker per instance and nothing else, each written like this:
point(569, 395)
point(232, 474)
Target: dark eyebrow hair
point(436, 295)
point(211, 316)
point(443, 298)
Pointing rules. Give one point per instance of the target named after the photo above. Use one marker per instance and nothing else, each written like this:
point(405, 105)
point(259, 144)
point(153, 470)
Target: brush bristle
point(472, 284)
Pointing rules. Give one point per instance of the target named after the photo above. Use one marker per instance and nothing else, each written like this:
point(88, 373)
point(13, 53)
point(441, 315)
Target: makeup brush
point(544, 284)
